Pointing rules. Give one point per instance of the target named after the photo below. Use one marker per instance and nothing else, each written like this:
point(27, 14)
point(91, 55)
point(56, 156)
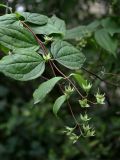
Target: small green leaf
point(34, 18)
point(108, 22)
point(7, 7)
point(67, 55)
point(23, 66)
point(84, 84)
point(58, 103)
point(93, 25)
point(105, 41)
point(4, 49)
point(81, 31)
point(80, 79)
point(110, 26)
point(54, 25)
point(76, 33)
point(14, 37)
point(44, 89)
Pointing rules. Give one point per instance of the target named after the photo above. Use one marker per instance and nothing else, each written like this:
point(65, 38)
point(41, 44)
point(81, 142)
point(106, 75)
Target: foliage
point(96, 46)
point(26, 133)
point(23, 63)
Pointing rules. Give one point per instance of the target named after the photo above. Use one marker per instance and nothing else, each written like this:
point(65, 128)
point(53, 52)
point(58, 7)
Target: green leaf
point(4, 49)
point(105, 41)
point(108, 22)
point(93, 25)
point(81, 31)
point(7, 7)
point(67, 55)
point(23, 66)
point(44, 89)
point(54, 26)
point(8, 19)
point(110, 26)
point(14, 37)
point(80, 79)
point(58, 103)
point(76, 33)
point(34, 18)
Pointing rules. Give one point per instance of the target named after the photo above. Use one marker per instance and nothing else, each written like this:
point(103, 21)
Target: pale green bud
point(100, 98)
point(48, 39)
point(87, 86)
point(84, 117)
point(86, 127)
point(84, 103)
point(69, 90)
point(47, 57)
point(90, 133)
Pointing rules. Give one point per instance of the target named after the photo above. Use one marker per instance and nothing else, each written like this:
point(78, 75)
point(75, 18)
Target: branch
point(95, 75)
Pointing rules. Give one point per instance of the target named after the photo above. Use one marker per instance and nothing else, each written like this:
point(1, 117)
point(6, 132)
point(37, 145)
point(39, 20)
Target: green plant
point(33, 41)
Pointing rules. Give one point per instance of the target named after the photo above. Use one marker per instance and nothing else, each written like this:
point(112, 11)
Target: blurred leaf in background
point(30, 132)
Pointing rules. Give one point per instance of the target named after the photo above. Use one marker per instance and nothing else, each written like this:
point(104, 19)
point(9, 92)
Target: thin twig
point(77, 123)
point(7, 8)
point(110, 83)
point(45, 78)
point(113, 74)
point(72, 84)
point(67, 79)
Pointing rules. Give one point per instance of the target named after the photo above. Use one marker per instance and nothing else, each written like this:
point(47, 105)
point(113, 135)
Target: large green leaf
point(23, 66)
point(105, 41)
point(34, 18)
point(67, 55)
point(14, 37)
point(8, 19)
point(44, 89)
point(58, 103)
point(54, 25)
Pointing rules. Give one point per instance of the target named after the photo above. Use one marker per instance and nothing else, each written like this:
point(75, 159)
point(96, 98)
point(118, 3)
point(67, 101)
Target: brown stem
point(71, 83)
point(38, 40)
point(67, 79)
point(77, 123)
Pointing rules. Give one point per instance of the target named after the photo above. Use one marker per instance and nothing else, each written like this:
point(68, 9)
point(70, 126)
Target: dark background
point(29, 132)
